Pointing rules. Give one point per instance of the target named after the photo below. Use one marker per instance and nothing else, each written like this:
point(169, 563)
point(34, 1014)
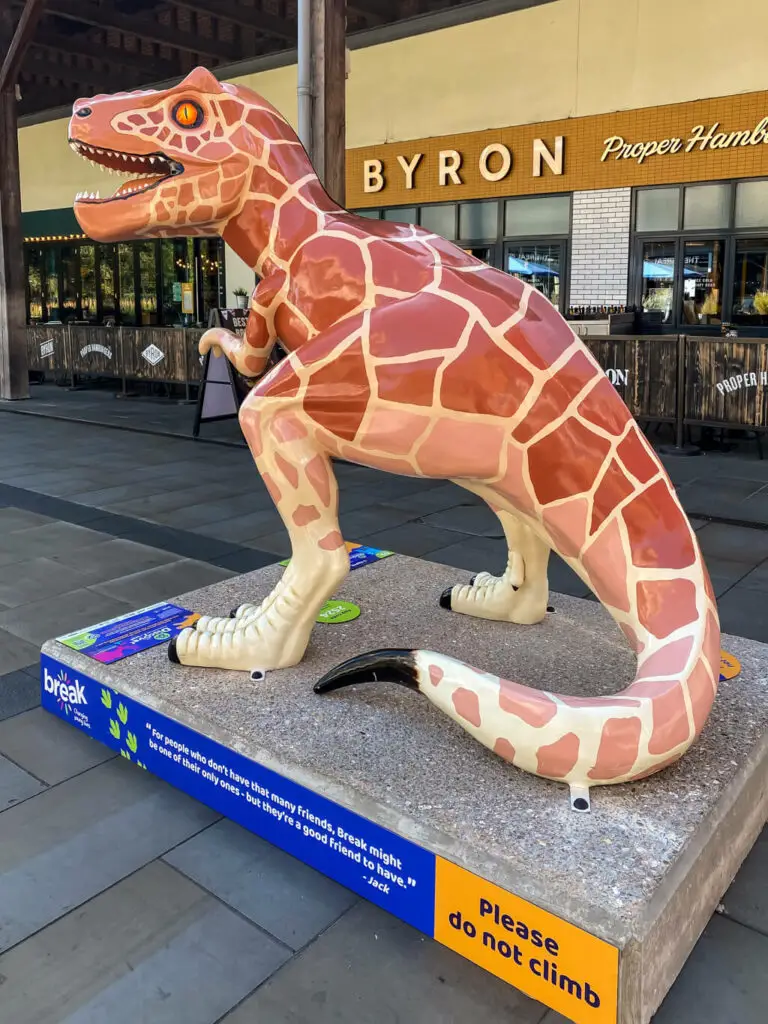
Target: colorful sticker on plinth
point(730, 667)
point(549, 959)
point(119, 638)
point(390, 871)
point(338, 611)
point(359, 555)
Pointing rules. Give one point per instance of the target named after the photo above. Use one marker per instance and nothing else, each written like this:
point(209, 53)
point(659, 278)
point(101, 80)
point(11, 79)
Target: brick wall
point(600, 247)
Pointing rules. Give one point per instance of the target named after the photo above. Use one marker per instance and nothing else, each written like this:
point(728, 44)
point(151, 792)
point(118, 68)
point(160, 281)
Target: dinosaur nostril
point(84, 112)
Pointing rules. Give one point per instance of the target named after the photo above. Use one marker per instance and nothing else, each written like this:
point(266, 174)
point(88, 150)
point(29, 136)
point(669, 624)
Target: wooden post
point(328, 45)
point(14, 376)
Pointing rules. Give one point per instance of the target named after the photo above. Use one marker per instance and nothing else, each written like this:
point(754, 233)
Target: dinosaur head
point(189, 154)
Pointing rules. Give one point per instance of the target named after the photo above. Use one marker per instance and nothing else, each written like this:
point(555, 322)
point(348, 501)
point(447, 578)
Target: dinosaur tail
point(663, 602)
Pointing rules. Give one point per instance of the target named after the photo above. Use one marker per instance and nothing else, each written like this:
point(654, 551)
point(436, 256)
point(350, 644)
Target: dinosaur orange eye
point(188, 114)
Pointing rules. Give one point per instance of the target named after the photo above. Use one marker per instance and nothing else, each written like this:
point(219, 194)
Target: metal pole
point(305, 73)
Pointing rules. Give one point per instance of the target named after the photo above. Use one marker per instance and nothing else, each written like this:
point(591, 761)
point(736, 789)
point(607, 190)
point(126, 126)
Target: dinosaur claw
point(172, 652)
point(472, 581)
point(397, 666)
point(233, 613)
point(445, 598)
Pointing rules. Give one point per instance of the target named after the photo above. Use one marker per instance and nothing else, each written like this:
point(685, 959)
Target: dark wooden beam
point(328, 47)
point(86, 81)
point(250, 17)
point(82, 46)
point(20, 40)
point(377, 11)
point(146, 28)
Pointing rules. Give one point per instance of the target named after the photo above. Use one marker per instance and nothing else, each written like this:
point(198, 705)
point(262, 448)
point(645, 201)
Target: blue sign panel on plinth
point(383, 867)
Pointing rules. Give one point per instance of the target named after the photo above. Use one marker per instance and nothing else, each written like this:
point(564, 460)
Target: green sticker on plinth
point(338, 611)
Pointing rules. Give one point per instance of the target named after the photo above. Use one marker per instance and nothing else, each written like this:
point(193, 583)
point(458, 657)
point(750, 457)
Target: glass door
point(658, 283)
point(540, 264)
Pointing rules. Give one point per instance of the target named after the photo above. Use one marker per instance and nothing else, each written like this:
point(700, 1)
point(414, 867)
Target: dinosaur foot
point(493, 597)
point(266, 642)
point(237, 618)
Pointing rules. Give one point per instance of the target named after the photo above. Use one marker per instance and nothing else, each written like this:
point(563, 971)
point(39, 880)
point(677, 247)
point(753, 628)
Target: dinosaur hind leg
point(298, 474)
point(520, 594)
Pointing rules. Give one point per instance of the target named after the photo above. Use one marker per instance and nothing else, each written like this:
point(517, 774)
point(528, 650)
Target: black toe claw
point(445, 598)
point(233, 613)
point(472, 581)
point(550, 608)
point(172, 655)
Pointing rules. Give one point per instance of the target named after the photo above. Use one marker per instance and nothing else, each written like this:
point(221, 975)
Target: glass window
point(35, 283)
point(482, 252)
point(750, 280)
point(211, 276)
point(127, 283)
point(440, 219)
point(479, 220)
point(658, 278)
point(177, 260)
point(702, 282)
point(70, 281)
point(657, 209)
point(707, 206)
point(371, 214)
point(752, 204)
point(88, 283)
point(402, 214)
point(147, 282)
point(52, 262)
point(108, 292)
point(544, 215)
point(539, 265)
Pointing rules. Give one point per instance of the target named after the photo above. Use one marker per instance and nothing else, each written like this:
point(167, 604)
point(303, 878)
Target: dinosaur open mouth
point(144, 172)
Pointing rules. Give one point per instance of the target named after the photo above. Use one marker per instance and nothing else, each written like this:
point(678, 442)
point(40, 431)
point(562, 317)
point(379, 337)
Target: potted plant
point(241, 297)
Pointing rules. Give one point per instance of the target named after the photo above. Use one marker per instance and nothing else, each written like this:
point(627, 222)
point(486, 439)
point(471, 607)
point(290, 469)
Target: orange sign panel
point(549, 959)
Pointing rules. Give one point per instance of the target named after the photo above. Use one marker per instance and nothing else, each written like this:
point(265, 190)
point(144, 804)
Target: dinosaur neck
point(249, 231)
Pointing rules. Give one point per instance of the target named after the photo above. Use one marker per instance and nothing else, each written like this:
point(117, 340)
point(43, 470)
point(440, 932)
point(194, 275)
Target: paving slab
point(277, 892)
point(641, 874)
point(19, 691)
point(15, 653)
point(55, 615)
point(43, 541)
point(478, 520)
point(76, 839)
point(724, 982)
point(13, 520)
point(151, 585)
point(47, 748)
point(370, 968)
point(112, 558)
point(16, 784)
point(31, 578)
point(746, 902)
point(153, 948)
point(411, 538)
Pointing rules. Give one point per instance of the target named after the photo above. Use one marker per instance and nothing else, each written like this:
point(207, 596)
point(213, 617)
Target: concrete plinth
point(373, 786)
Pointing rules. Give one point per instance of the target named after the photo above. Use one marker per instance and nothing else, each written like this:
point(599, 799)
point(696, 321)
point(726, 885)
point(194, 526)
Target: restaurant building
point(575, 143)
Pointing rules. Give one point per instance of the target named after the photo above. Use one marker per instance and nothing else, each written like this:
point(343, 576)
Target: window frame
point(730, 236)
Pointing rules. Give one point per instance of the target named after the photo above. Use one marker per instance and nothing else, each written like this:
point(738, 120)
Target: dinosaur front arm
point(249, 355)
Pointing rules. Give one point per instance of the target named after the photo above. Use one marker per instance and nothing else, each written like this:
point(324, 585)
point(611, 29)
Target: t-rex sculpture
point(410, 356)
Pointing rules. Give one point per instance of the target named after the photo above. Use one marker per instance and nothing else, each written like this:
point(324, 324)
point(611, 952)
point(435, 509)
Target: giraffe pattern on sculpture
point(408, 355)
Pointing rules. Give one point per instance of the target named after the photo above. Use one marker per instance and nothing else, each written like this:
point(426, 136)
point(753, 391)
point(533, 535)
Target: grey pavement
point(123, 900)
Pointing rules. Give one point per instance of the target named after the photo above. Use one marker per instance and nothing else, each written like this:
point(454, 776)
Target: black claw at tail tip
point(445, 598)
point(172, 655)
point(389, 666)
